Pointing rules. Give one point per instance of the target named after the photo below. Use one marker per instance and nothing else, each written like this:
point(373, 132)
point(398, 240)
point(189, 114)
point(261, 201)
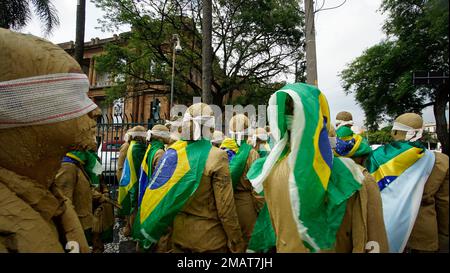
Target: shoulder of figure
point(441, 158)
point(68, 167)
point(368, 178)
point(217, 156)
point(217, 152)
point(124, 146)
point(441, 166)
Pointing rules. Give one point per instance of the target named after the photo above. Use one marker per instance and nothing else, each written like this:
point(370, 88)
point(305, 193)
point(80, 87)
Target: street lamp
point(176, 49)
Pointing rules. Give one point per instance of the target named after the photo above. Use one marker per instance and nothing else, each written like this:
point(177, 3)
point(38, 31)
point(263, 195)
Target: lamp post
point(176, 49)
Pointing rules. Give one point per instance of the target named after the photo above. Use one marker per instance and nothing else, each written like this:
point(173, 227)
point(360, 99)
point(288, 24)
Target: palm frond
point(47, 14)
point(14, 14)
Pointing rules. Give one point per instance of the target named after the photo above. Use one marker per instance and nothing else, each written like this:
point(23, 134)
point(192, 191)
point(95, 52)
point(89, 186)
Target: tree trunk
point(207, 51)
point(439, 115)
point(217, 99)
point(79, 40)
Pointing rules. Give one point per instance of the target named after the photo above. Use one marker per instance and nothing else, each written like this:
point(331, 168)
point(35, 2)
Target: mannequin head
point(217, 138)
point(238, 127)
point(260, 137)
point(161, 133)
point(36, 150)
point(345, 118)
point(137, 133)
point(198, 121)
point(412, 120)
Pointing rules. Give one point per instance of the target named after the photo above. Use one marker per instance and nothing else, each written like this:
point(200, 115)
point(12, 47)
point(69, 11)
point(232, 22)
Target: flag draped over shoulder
point(144, 179)
point(89, 162)
point(320, 184)
point(401, 169)
point(230, 146)
point(175, 179)
point(239, 160)
point(146, 166)
point(128, 186)
point(349, 144)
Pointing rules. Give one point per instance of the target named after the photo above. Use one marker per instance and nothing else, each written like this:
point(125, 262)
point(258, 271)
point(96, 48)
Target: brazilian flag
point(144, 179)
point(238, 160)
point(128, 186)
point(319, 184)
point(173, 182)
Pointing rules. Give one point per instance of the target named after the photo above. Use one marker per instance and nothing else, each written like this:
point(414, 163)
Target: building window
point(103, 80)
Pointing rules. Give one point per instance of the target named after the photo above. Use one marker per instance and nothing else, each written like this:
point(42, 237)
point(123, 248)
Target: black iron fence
point(111, 130)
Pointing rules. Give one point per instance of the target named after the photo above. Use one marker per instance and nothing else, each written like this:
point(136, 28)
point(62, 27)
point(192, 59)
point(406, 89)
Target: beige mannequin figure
point(362, 221)
point(247, 201)
point(430, 231)
point(208, 222)
point(34, 214)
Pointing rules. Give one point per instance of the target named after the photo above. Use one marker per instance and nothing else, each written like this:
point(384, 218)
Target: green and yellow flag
point(128, 186)
point(320, 184)
point(173, 182)
point(144, 179)
point(349, 144)
point(237, 160)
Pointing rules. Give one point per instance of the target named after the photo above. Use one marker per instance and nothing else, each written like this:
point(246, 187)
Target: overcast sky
point(342, 34)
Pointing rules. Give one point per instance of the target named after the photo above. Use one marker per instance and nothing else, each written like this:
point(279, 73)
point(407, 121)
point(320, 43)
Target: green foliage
point(114, 92)
point(428, 137)
point(382, 136)
point(382, 83)
point(16, 14)
point(381, 78)
point(253, 41)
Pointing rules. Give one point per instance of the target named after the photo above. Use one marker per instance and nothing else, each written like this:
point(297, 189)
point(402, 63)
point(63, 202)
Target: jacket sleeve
point(97, 196)
point(442, 211)
point(66, 179)
point(223, 194)
point(22, 228)
point(72, 228)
